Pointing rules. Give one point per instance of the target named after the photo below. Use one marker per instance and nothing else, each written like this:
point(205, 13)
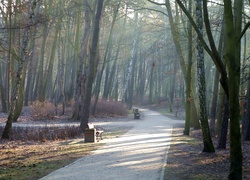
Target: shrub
point(110, 108)
point(44, 133)
point(42, 110)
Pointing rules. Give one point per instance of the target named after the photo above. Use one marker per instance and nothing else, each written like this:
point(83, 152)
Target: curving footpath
point(140, 154)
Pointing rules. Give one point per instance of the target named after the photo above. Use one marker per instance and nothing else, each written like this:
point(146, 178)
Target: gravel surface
point(140, 154)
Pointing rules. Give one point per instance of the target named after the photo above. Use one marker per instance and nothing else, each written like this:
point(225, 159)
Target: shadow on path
point(139, 154)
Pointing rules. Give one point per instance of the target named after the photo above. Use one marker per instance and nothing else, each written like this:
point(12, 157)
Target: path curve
point(140, 154)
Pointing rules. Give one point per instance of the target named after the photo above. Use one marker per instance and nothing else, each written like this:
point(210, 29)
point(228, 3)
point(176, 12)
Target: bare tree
point(22, 60)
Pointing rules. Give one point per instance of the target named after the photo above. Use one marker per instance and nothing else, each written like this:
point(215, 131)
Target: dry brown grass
point(35, 152)
point(42, 110)
point(24, 160)
point(48, 111)
point(44, 133)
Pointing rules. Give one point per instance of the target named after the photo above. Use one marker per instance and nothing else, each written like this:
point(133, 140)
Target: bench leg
point(98, 136)
point(101, 136)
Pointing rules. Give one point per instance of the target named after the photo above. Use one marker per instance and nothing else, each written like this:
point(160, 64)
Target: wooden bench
point(98, 132)
point(136, 113)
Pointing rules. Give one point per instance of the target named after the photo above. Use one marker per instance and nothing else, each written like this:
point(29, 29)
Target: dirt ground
point(186, 160)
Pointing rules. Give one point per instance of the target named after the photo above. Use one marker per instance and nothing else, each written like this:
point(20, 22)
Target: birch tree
point(22, 60)
point(130, 66)
point(207, 141)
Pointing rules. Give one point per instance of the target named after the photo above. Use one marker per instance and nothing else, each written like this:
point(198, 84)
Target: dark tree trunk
point(189, 99)
point(92, 65)
point(224, 127)
point(81, 74)
point(246, 121)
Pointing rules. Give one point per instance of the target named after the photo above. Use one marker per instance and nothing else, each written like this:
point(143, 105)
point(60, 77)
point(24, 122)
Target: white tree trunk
point(129, 72)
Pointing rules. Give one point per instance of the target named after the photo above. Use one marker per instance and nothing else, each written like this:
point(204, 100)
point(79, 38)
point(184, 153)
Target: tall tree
point(133, 54)
point(176, 38)
point(207, 141)
point(232, 56)
point(81, 74)
point(91, 66)
point(189, 99)
point(22, 60)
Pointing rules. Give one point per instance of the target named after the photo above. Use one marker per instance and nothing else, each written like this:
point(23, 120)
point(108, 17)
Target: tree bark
point(246, 121)
point(224, 126)
point(189, 99)
point(18, 78)
point(92, 65)
point(207, 141)
point(81, 74)
point(232, 57)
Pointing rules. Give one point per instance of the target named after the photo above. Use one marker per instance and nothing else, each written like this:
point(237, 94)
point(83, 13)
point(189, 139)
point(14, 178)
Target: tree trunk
point(224, 126)
point(23, 59)
point(81, 74)
point(91, 69)
point(207, 141)
point(189, 99)
point(232, 56)
point(246, 121)
point(3, 98)
point(216, 82)
point(176, 36)
point(128, 76)
point(41, 93)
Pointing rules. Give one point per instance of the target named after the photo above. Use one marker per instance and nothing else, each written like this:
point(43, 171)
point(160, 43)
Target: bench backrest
point(136, 110)
point(91, 126)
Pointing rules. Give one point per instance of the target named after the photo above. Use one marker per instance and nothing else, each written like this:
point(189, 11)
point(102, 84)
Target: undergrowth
point(46, 110)
point(44, 133)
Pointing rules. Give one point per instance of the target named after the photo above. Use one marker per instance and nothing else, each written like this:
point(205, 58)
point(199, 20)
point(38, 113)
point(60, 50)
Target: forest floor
point(34, 159)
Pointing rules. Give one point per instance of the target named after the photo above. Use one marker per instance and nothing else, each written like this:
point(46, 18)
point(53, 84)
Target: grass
point(35, 152)
point(33, 160)
point(24, 160)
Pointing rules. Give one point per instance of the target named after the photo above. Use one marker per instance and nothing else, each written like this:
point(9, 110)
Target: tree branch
point(216, 59)
point(156, 3)
point(247, 25)
point(151, 9)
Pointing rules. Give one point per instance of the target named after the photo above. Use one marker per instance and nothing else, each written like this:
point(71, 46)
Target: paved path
point(140, 154)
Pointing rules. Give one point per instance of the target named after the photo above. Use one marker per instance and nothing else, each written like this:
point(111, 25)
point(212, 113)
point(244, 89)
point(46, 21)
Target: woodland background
point(192, 53)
